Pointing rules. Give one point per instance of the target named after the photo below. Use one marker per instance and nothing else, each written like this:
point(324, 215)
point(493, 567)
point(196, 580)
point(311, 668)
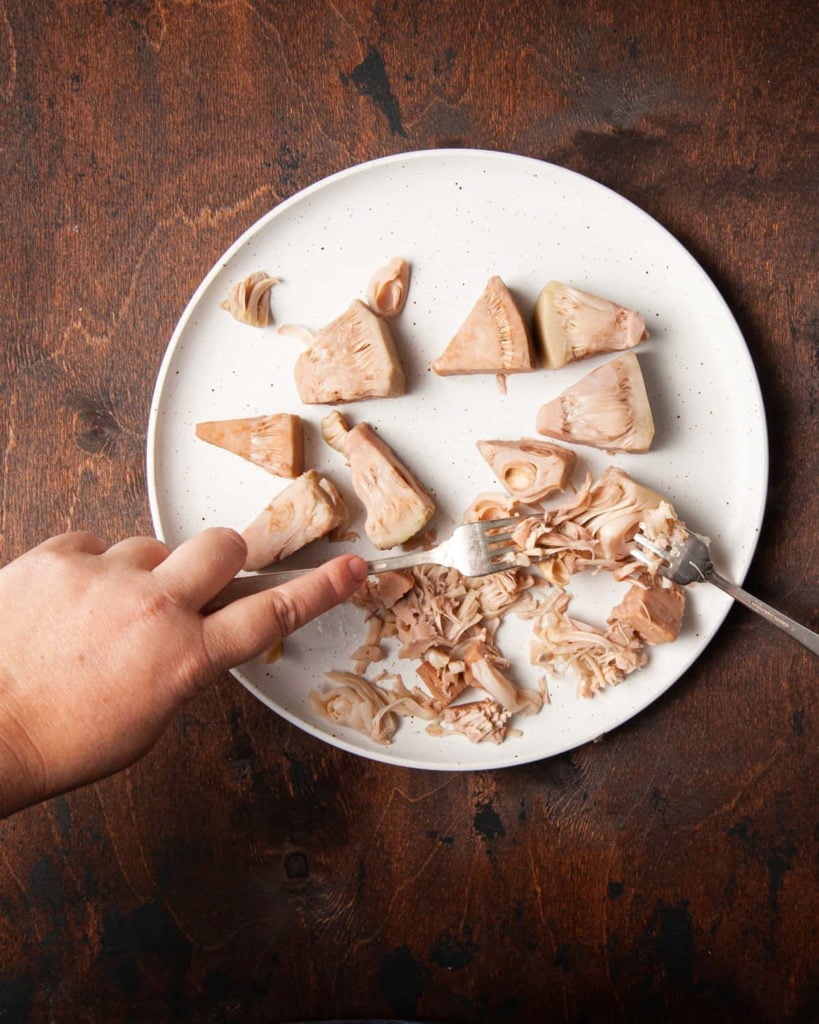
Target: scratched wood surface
point(244, 871)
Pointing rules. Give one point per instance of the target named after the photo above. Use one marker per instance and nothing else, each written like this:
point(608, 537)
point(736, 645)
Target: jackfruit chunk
point(276, 443)
point(528, 469)
point(494, 338)
point(249, 300)
point(353, 357)
point(388, 287)
point(607, 409)
point(397, 506)
point(652, 613)
point(305, 510)
point(571, 324)
point(617, 506)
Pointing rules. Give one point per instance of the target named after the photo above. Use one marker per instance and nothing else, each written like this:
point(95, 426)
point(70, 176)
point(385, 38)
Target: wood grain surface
point(244, 871)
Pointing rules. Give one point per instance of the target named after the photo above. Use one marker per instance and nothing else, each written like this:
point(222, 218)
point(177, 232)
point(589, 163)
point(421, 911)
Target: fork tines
point(649, 546)
point(498, 537)
point(500, 524)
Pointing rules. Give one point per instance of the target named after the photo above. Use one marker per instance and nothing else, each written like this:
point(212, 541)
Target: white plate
point(460, 216)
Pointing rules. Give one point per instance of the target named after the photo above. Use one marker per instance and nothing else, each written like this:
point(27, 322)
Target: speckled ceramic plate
point(460, 216)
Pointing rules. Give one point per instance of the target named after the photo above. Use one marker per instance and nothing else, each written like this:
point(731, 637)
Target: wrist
point(22, 771)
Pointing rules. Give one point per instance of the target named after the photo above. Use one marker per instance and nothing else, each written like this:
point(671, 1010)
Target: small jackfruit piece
point(443, 683)
point(249, 300)
point(571, 324)
point(397, 506)
point(652, 613)
point(607, 409)
point(353, 357)
point(305, 510)
point(478, 720)
point(275, 443)
point(485, 666)
point(494, 338)
point(388, 287)
point(529, 469)
point(487, 505)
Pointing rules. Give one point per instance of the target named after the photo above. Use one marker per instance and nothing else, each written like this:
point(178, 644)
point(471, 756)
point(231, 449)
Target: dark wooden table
point(244, 871)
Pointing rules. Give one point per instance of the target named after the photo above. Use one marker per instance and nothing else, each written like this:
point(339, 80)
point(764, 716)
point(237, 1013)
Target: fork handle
point(801, 633)
point(244, 586)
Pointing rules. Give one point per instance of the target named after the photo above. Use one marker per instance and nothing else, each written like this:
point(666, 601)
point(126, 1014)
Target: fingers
point(77, 541)
point(198, 569)
point(139, 552)
point(251, 625)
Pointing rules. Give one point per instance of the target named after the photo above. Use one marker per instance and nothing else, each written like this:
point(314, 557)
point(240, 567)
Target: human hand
point(100, 646)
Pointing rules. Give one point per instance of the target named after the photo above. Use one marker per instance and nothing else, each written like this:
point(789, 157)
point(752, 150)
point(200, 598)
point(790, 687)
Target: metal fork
point(691, 563)
point(475, 549)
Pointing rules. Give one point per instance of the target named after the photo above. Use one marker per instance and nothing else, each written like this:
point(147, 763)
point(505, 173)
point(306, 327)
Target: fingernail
point(358, 569)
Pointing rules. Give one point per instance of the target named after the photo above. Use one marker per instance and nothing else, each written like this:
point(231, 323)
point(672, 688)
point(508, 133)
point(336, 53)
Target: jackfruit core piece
point(397, 506)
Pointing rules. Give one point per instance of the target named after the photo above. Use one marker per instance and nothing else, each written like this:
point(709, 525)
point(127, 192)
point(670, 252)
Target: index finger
point(199, 568)
point(74, 542)
point(247, 627)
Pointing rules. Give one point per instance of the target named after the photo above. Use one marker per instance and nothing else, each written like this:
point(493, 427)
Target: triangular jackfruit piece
point(276, 443)
point(307, 509)
point(608, 409)
point(494, 338)
point(572, 324)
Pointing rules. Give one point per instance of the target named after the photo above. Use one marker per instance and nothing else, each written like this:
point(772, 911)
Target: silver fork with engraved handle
point(475, 549)
point(690, 562)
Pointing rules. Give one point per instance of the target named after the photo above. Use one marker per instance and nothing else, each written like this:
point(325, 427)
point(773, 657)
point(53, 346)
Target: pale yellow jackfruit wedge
point(353, 357)
point(397, 506)
point(494, 338)
point(607, 409)
point(571, 324)
point(275, 443)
